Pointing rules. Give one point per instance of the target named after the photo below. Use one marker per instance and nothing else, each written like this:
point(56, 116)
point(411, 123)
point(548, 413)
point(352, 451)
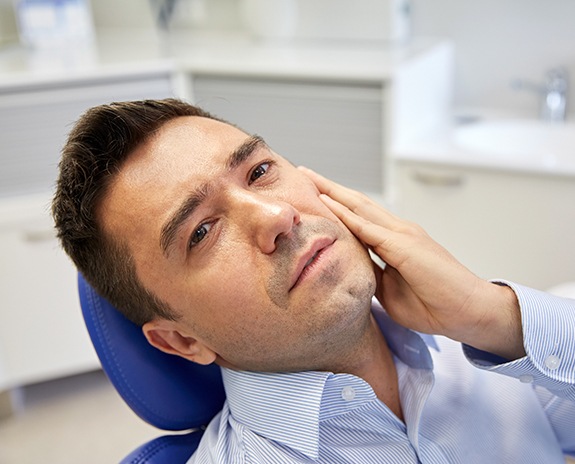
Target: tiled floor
point(75, 420)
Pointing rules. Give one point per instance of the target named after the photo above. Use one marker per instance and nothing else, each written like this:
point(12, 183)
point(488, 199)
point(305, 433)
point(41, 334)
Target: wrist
point(498, 330)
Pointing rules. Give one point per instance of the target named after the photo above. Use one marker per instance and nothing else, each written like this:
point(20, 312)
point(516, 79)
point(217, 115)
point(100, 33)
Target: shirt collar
point(283, 407)
point(287, 407)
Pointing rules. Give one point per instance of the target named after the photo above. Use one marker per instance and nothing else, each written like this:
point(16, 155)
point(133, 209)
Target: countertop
point(441, 148)
point(114, 54)
point(117, 54)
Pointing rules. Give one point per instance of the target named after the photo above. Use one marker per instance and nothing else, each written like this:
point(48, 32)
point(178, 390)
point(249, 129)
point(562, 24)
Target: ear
point(167, 337)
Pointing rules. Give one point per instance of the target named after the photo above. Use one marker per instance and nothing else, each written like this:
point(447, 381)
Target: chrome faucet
point(553, 93)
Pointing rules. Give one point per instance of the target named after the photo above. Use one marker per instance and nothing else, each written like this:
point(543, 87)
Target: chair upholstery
point(166, 391)
point(165, 449)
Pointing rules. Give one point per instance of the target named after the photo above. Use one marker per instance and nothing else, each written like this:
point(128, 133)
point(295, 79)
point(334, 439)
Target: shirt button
point(552, 362)
point(348, 393)
point(526, 378)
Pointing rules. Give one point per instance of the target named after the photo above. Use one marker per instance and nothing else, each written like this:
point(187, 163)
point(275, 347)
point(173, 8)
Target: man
point(224, 252)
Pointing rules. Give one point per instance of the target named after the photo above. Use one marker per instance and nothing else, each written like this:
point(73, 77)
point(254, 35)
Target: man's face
point(236, 240)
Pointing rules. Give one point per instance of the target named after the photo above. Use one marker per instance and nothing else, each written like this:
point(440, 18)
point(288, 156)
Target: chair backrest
point(166, 391)
point(167, 449)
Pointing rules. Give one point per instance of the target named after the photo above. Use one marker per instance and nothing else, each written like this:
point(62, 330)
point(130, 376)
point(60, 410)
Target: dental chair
point(166, 391)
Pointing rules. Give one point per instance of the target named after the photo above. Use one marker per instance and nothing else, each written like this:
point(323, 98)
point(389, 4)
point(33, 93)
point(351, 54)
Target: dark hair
point(96, 148)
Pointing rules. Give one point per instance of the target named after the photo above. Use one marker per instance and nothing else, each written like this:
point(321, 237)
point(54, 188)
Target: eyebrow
point(170, 229)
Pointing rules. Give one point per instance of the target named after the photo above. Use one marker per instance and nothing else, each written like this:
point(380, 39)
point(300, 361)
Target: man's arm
point(424, 288)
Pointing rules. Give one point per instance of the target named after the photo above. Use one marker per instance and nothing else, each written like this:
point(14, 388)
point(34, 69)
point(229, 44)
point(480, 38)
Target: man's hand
point(424, 287)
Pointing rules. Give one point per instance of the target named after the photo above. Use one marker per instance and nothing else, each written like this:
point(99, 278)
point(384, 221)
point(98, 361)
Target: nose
point(267, 219)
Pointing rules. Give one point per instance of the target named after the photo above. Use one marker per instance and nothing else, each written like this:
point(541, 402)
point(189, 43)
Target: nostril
point(287, 233)
point(296, 217)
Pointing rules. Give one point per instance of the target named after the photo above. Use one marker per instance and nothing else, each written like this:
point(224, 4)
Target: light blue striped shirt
point(457, 409)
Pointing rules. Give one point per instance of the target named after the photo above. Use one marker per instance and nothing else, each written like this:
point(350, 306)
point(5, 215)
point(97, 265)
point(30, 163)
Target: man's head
point(96, 149)
point(224, 244)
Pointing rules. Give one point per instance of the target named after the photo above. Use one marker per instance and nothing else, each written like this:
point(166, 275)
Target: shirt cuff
point(548, 324)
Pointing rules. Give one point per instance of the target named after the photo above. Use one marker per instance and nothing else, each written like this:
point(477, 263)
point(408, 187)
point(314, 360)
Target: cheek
point(304, 195)
point(315, 206)
point(233, 310)
point(234, 280)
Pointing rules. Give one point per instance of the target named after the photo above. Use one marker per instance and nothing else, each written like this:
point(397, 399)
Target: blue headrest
point(166, 391)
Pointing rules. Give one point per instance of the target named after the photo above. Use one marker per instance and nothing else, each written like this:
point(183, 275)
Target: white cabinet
point(42, 334)
point(499, 224)
point(336, 128)
point(36, 119)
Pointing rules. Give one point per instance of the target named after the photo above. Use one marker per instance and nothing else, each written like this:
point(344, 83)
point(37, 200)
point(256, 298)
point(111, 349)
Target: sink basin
point(518, 138)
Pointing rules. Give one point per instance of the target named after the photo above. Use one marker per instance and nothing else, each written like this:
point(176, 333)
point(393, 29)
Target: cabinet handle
point(39, 235)
point(438, 179)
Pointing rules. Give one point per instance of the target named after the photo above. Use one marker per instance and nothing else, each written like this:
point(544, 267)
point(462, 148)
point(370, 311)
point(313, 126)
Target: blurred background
point(455, 114)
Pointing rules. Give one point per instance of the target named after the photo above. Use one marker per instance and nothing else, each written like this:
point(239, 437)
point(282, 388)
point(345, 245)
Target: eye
point(259, 171)
point(199, 234)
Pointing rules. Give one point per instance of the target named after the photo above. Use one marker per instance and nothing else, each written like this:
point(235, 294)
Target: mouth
point(310, 261)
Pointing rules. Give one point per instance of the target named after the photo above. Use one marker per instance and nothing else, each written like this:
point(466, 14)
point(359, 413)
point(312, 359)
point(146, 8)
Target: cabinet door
point(42, 334)
point(336, 129)
point(500, 225)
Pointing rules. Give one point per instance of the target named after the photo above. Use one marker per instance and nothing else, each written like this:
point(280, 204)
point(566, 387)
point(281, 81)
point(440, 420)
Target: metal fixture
point(553, 93)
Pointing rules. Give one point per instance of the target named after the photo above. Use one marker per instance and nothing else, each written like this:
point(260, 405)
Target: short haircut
point(94, 153)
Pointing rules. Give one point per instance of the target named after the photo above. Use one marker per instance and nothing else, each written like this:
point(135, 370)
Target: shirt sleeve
point(548, 324)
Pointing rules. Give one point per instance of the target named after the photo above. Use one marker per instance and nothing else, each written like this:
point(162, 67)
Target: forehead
point(193, 139)
point(180, 155)
point(181, 149)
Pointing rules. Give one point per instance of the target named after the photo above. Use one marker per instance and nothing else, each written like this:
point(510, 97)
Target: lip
point(315, 251)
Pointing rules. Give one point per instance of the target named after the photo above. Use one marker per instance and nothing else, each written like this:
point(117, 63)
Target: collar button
point(348, 393)
point(553, 362)
point(526, 378)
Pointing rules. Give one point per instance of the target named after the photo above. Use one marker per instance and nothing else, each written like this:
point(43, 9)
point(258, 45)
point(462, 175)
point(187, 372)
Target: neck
point(374, 363)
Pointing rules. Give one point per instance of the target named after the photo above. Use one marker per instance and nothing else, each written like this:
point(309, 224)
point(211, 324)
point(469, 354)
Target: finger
point(372, 234)
point(356, 201)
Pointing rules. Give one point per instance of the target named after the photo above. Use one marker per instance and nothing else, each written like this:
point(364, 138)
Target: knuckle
point(361, 225)
point(412, 229)
point(360, 202)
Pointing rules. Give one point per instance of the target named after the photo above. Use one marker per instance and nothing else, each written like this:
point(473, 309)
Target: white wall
point(198, 14)
point(497, 41)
